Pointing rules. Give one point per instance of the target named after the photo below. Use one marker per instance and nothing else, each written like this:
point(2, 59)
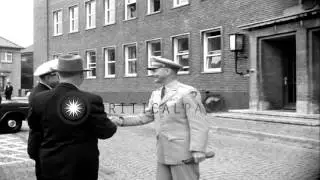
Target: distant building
point(27, 68)
point(277, 68)
point(10, 65)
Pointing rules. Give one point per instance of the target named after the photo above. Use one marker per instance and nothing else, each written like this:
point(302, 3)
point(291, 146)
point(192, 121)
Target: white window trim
point(126, 10)
point(175, 4)
point(149, 8)
point(105, 49)
point(6, 60)
point(93, 15)
point(204, 52)
point(174, 48)
point(149, 51)
point(109, 10)
point(125, 48)
point(59, 23)
point(75, 19)
point(87, 63)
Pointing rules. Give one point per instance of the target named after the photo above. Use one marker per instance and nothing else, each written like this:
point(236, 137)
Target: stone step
point(289, 130)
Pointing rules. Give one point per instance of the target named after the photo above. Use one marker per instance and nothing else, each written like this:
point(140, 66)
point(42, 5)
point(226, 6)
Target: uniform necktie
point(163, 91)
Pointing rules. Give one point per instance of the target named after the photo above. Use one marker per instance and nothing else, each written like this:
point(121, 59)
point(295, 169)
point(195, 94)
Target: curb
point(289, 140)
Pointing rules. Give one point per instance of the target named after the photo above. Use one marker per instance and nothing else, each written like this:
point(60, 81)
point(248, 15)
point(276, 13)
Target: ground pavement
point(130, 155)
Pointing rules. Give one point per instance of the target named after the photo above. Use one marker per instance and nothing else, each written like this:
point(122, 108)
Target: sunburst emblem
point(73, 108)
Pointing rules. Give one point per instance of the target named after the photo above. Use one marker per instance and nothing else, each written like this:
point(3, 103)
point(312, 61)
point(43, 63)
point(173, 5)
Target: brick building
point(10, 65)
point(118, 37)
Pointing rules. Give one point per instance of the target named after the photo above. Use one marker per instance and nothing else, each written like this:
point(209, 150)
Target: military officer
point(181, 127)
point(48, 79)
point(71, 122)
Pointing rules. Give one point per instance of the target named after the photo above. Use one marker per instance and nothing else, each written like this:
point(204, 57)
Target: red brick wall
point(198, 15)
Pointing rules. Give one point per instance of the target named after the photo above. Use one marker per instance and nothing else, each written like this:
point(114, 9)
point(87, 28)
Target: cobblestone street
point(130, 155)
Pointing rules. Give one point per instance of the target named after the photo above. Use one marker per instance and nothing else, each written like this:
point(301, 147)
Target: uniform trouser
point(38, 170)
point(178, 172)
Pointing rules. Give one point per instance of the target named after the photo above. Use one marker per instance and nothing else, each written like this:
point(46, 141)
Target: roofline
point(18, 46)
point(281, 19)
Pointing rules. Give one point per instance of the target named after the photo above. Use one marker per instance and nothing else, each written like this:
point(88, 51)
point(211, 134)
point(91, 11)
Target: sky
point(16, 21)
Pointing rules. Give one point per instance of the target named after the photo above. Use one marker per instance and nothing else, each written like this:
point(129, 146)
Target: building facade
point(10, 65)
point(117, 38)
point(26, 69)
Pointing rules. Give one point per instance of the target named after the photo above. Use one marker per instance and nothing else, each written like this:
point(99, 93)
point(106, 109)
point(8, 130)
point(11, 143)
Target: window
point(154, 49)
point(90, 14)
point(110, 61)
point(181, 52)
point(130, 53)
point(177, 3)
point(212, 51)
point(57, 23)
point(153, 6)
point(6, 57)
point(109, 12)
point(73, 18)
point(130, 9)
point(91, 64)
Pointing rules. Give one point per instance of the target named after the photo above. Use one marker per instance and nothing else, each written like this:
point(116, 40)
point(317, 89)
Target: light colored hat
point(46, 68)
point(71, 63)
point(159, 62)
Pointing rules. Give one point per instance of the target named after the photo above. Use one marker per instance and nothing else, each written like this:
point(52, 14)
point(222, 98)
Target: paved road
point(129, 155)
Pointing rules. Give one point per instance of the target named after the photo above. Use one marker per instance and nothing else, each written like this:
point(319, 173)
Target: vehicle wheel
point(13, 124)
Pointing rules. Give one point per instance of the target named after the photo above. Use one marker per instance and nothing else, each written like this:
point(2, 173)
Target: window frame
point(174, 40)
point(6, 60)
point(125, 50)
point(91, 16)
point(57, 23)
point(110, 11)
point(149, 49)
point(204, 44)
point(88, 76)
point(175, 4)
point(126, 10)
point(106, 62)
point(149, 7)
point(74, 19)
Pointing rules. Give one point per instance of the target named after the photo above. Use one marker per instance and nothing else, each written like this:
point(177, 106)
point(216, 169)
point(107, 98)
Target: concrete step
point(293, 130)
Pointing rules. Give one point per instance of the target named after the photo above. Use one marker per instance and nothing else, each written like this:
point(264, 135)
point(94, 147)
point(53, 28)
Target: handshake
point(116, 118)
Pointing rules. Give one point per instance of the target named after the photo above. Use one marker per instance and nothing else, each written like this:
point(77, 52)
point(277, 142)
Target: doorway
point(278, 71)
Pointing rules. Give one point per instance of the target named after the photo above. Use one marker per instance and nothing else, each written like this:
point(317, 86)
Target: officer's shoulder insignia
point(73, 108)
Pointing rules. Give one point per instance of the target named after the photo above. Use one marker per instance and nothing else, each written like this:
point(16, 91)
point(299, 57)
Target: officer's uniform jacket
point(69, 147)
point(180, 123)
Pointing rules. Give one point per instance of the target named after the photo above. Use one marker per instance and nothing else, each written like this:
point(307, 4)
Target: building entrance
point(278, 72)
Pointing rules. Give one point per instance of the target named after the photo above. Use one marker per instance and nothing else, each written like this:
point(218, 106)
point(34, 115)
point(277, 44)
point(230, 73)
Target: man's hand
point(198, 156)
point(118, 120)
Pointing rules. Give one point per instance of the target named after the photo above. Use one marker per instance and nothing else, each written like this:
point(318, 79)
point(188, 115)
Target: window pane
point(213, 62)
point(131, 11)
point(111, 68)
point(183, 44)
point(156, 49)
point(132, 52)
point(183, 60)
point(111, 55)
point(214, 44)
point(132, 67)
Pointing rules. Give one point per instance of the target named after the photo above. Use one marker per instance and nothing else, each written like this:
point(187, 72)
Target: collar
point(45, 85)
point(172, 85)
point(69, 85)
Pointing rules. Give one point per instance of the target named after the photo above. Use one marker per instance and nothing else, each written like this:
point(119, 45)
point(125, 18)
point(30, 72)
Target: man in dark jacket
point(8, 91)
point(48, 79)
point(71, 121)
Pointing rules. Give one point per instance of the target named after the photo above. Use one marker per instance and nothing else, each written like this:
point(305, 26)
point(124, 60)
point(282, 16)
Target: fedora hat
point(159, 62)
point(46, 68)
point(70, 63)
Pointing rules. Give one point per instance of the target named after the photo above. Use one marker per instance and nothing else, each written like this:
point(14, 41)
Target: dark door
point(289, 79)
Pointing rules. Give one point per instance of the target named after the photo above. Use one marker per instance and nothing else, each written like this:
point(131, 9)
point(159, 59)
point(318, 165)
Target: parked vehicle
point(12, 113)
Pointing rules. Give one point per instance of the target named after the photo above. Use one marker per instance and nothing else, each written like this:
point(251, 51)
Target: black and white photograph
point(159, 89)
